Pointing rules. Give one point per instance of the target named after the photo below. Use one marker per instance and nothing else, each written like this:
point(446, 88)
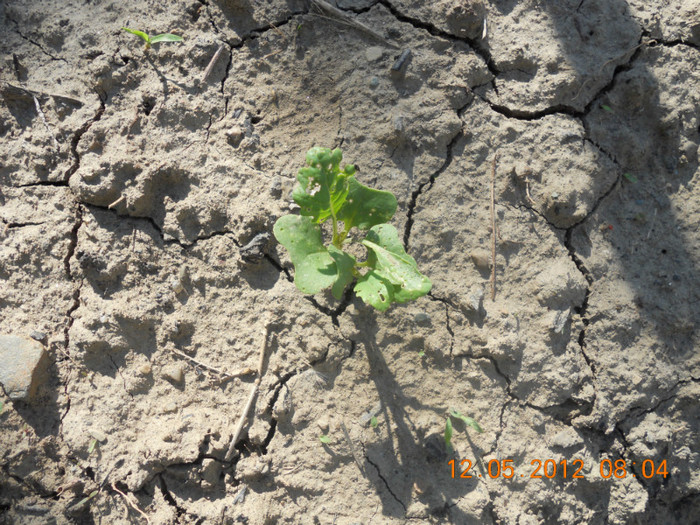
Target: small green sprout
point(325, 191)
point(470, 422)
point(324, 439)
point(374, 422)
point(163, 37)
point(421, 353)
point(93, 445)
point(630, 177)
point(606, 108)
point(448, 434)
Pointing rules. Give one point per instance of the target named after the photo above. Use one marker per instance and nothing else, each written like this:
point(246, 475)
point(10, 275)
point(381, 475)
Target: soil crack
point(478, 48)
point(386, 483)
point(449, 156)
point(34, 42)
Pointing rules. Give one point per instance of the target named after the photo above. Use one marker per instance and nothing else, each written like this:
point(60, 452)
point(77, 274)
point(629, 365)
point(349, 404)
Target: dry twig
point(493, 227)
point(251, 397)
point(212, 63)
point(352, 447)
point(43, 119)
point(340, 15)
point(131, 503)
point(237, 373)
point(117, 202)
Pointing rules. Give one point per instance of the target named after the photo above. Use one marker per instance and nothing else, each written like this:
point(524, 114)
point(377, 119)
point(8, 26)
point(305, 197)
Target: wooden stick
point(212, 62)
point(117, 202)
point(352, 447)
point(340, 15)
point(43, 119)
point(493, 227)
point(238, 373)
point(251, 398)
point(131, 504)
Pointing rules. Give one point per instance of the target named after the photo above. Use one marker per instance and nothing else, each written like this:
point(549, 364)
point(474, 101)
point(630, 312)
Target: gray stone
point(19, 361)
point(174, 372)
point(374, 53)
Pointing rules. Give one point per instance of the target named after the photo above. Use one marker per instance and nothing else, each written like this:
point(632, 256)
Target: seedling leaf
point(323, 186)
point(344, 263)
point(395, 265)
point(141, 34)
point(630, 177)
point(325, 191)
point(375, 290)
point(470, 422)
point(313, 265)
point(165, 37)
point(606, 108)
point(366, 207)
point(448, 434)
point(92, 446)
point(374, 422)
point(324, 439)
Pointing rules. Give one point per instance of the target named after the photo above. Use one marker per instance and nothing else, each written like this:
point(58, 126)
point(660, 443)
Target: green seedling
point(470, 422)
point(374, 422)
point(630, 177)
point(324, 439)
point(327, 192)
point(149, 40)
point(448, 434)
point(93, 445)
point(606, 108)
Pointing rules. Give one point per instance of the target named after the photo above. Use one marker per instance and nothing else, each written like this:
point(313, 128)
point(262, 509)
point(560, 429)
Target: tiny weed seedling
point(324, 439)
point(470, 422)
point(149, 40)
point(325, 191)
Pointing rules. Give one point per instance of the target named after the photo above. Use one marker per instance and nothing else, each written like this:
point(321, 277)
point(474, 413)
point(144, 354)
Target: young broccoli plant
point(325, 191)
point(164, 37)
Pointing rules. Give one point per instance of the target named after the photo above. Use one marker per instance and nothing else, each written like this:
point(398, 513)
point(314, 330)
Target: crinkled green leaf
point(344, 264)
point(375, 290)
point(366, 207)
point(165, 37)
point(136, 32)
point(390, 260)
point(467, 420)
point(322, 184)
point(314, 268)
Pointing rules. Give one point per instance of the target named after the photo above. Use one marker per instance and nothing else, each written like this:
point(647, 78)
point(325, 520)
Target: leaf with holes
point(391, 261)
point(327, 191)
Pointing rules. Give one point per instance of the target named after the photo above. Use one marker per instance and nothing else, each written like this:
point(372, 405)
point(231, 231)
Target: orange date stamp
point(563, 469)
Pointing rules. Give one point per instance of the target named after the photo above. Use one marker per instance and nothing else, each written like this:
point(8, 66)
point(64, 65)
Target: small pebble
point(374, 82)
point(169, 408)
point(234, 135)
point(421, 318)
point(374, 53)
point(97, 434)
point(38, 336)
point(480, 258)
point(176, 285)
point(174, 372)
point(145, 369)
point(323, 423)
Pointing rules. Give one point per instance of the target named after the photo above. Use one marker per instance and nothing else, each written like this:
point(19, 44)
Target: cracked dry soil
point(590, 350)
